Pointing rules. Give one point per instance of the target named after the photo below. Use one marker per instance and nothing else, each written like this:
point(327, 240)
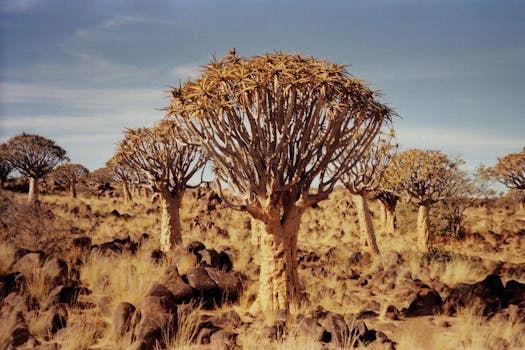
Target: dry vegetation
point(337, 274)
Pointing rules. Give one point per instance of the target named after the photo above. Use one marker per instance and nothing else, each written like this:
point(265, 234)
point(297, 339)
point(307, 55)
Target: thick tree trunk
point(424, 236)
point(72, 190)
point(170, 226)
point(33, 190)
point(126, 192)
point(279, 279)
point(365, 221)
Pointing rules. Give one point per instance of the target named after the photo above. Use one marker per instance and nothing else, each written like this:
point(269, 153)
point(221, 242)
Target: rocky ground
point(88, 274)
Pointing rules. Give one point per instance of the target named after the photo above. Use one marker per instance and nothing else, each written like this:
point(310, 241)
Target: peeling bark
point(424, 235)
point(366, 227)
point(33, 190)
point(279, 279)
point(170, 226)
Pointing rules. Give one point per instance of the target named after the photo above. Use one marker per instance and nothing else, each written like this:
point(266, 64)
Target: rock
point(312, 329)
point(225, 263)
point(55, 271)
point(122, 318)
point(229, 284)
point(11, 282)
point(204, 286)
point(20, 334)
point(223, 339)
point(226, 320)
point(66, 294)
point(182, 292)
point(392, 313)
point(275, 332)
point(195, 247)
point(82, 242)
point(28, 264)
point(366, 314)
point(425, 302)
point(514, 292)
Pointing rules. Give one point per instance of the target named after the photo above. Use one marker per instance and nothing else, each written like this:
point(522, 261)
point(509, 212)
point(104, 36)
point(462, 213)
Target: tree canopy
point(510, 170)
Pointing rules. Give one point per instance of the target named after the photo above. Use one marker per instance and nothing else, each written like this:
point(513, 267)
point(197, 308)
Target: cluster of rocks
point(60, 291)
point(209, 284)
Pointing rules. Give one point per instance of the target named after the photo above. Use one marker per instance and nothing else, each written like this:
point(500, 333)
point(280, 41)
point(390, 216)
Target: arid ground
point(86, 273)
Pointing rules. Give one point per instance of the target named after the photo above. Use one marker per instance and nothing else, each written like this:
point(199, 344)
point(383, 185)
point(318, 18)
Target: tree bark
point(390, 222)
point(279, 279)
point(424, 235)
point(33, 190)
point(126, 192)
point(365, 221)
point(170, 225)
point(73, 190)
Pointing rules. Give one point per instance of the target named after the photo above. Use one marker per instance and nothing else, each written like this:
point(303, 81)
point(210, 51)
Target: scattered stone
point(425, 302)
point(312, 329)
point(122, 318)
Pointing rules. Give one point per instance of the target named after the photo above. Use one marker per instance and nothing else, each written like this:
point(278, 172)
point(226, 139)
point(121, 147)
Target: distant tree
point(5, 166)
point(169, 165)
point(388, 202)
point(425, 178)
point(34, 156)
point(68, 175)
point(365, 176)
point(484, 178)
point(124, 173)
point(273, 125)
point(510, 170)
point(100, 180)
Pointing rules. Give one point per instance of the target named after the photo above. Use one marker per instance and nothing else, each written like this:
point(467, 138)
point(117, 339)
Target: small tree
point(34, 156)
point(510, 170)
point(169, 165)
point(425, 178)
point(68, 175)
point(5, 166)
point(272, 125)
point(124, 173)
point(364, 177)
point(388, 202)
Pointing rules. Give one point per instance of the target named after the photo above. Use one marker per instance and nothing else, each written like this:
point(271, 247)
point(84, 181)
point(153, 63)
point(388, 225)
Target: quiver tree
point(388, 202)
point(272, 125)
point(169, 165)
point(5, 166)
point(510, 170)
point(68, 175)
point(365, 176)
point(35, 157)
point(124, 173)
point(425, 178)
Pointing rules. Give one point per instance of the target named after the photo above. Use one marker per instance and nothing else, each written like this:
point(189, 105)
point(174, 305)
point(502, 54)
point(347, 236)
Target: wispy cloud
point(117, 22)
point(14, 6)
point(185, 72)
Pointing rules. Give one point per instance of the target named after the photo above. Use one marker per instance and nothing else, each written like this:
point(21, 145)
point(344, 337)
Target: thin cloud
point(117, 22)
point(15, 6)
point(185, 72)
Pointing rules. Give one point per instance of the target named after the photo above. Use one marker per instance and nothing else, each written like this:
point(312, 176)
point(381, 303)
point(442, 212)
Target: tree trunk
point(365, 221)
point(390, 222)
point(73, 190)
point(382, 213)
point(424, 237)
point(33, 190)
point(279, 279)
point(170, 226)
point(126, 192)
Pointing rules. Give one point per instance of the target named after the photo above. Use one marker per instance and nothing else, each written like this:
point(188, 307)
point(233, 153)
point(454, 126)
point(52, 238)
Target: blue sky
point(80, 72)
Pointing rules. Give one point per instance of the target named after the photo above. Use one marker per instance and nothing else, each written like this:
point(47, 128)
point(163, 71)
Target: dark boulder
point(204, 286)
point(425, 302)
point(229, 284)
point(312, 329)
point(121, 321)
point(181, 291)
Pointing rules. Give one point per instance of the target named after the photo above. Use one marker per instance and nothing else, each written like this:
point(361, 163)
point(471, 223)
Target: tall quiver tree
point(169, 165)
point(5, 166)
point(68, 175)
point(366, 176)
point(34, 156)
point(425, 178)
point(272, 125)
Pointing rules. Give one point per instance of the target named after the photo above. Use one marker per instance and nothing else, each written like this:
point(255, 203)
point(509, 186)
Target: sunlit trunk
point(33, 190)
point(365, 221)
point(73, 190)
point(279, 279)
point(126, 192)
point(424, 236)
point(170, 225)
